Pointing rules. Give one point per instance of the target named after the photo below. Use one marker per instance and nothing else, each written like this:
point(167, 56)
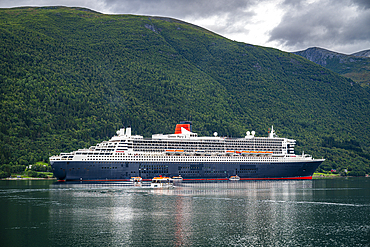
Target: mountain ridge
point(355, 66)
point(364, 53)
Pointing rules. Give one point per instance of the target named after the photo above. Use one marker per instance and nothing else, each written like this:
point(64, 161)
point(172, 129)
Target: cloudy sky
point(289, 25)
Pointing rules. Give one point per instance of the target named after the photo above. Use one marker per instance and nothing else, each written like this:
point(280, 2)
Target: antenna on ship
point(121, 132)
point(128, 131)
point(272, 132)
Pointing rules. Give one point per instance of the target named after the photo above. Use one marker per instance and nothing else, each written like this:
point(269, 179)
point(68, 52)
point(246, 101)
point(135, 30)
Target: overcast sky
point(289, 25)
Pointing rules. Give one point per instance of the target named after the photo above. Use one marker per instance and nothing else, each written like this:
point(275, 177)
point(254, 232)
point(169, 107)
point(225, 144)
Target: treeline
point(32, 170)
point(71, 77)
point(351, 145)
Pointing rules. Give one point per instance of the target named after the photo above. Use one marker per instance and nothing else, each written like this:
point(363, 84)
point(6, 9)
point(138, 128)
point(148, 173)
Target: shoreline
point(326, 176)
point(28, 178)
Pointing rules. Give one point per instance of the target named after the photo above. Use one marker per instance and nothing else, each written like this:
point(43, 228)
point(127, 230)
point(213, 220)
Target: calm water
point(333, 212)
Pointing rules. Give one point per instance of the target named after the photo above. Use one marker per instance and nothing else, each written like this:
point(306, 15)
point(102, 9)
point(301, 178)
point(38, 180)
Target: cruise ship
point(185, 154)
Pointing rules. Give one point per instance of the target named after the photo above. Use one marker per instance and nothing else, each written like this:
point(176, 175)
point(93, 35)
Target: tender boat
point(234, 178)
point(136, 181)
point(177, 180)
point(162, 182)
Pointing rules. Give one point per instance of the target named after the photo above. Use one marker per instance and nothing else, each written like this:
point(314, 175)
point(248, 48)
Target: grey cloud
point(293, 3)
point(180, 9)
point(329, 23)
point(332, 24)
point(362, 3)
point(230, 15)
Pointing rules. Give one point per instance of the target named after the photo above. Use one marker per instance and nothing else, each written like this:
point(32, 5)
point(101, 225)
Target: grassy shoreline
point(25, 176)
point(318, 175)
point(28, 178)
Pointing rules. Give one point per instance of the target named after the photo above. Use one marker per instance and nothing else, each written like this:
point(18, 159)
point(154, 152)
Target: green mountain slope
point(71, 77)
point(355, 66)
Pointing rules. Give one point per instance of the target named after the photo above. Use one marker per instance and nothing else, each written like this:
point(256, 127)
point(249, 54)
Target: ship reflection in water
point(242, 213)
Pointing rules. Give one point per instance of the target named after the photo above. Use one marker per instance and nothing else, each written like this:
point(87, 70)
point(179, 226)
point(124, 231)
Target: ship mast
point(272, 133)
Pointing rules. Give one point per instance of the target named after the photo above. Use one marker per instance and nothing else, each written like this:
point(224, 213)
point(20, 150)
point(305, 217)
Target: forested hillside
point(71, 77)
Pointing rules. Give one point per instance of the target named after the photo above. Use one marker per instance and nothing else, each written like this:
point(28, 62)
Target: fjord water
point(327, 212)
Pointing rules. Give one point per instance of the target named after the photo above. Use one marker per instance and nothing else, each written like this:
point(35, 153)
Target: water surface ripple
point(333, 212)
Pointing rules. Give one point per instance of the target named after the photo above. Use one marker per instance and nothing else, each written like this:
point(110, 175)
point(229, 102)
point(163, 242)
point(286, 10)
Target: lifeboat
point(200, 152)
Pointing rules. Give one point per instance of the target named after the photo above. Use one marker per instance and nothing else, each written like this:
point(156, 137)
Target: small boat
point(234, 178)
point(136, 181)
point(162, 182)
point(177, 179)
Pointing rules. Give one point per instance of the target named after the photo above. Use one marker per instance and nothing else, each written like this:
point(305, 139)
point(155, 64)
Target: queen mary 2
point(185, 154)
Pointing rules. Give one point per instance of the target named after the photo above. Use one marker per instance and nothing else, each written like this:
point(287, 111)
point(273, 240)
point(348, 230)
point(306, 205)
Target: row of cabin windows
point(173, 159)
point(208, 142)
point(177, 145)
point(188, 172)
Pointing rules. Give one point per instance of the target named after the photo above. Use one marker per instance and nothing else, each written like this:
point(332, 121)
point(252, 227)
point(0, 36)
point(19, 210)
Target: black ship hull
point(115, 171)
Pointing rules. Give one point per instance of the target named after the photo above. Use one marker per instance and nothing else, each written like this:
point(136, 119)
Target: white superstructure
point(184, 144)
point(185, 153)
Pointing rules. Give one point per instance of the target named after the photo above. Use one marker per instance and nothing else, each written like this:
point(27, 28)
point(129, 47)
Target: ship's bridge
point(183, 134)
